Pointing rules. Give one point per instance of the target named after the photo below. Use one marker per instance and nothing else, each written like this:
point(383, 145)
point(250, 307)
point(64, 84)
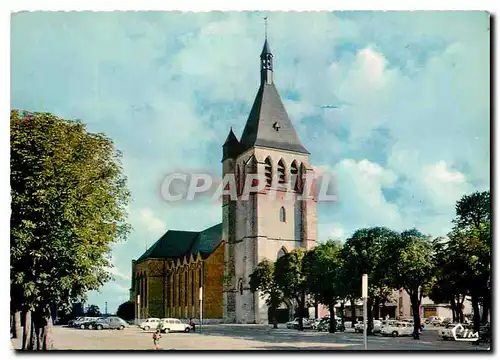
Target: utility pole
point(364, 294)
point(106, 308)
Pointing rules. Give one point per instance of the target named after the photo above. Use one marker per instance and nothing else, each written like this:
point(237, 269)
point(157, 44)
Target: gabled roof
point(175, 244)
point(268, 114)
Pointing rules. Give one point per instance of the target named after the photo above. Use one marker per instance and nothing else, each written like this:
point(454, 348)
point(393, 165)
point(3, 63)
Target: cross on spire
point(265, 25)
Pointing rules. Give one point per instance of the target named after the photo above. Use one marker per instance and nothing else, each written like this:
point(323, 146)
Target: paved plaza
point(245, 337)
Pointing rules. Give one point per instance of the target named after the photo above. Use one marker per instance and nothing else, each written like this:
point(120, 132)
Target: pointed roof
point(268, 124)
point(231, 147)
point(266, 49)
point(231, 138)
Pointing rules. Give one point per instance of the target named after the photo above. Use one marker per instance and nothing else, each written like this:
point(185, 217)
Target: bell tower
point(277, 219)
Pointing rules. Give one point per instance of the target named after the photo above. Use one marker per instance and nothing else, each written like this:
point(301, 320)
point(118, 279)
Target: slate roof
point(265, 49)
point(175, 243)
point(231, 147)
point(267, 110)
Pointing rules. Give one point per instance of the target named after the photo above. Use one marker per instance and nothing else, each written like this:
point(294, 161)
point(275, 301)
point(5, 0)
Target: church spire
point(266, 62)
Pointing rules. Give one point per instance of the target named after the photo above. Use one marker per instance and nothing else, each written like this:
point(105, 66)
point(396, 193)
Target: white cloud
point(152, 223)
point(116, 272)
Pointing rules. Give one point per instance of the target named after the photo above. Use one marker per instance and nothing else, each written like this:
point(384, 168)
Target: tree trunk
point(369, 310)
point(316, 308)
point(353, 312)
point(486, 305)
point(376, 308)
point(46, 333)
point(415, 306)
point(26, 331)
point(475, 307)
point(332, 325)
point(302, 302)
point(16, 325)
point(453, 306)
point(342, 313)
point(274, 319)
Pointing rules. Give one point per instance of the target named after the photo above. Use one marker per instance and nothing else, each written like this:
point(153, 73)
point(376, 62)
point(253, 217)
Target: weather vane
point(265, 24)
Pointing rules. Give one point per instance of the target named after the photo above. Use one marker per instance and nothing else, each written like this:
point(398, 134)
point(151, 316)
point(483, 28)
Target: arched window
point(240, 286)
point(282, 252)
point(294, 170)
point(179, 298)
point(186, 287)
point(268, 170)
point(193, 286)
point(281, 172)
point(145, 290)
point(282, 214)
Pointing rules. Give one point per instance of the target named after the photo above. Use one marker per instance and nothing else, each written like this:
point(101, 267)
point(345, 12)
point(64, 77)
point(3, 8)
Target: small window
point(281, 172)
point(240, 285)
point(268, 170)
point(282, 214)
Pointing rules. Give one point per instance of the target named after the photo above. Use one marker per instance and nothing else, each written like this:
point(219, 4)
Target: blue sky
point(410, 136)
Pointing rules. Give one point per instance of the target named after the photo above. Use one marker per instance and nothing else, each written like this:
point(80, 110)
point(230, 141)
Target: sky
point(408, 133)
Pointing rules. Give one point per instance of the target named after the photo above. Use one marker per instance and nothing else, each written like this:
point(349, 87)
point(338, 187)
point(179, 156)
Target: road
point(246, 337)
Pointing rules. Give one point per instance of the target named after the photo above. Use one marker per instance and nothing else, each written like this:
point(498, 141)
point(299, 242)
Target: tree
point(412, 258)
point(69, 201)
point(126, 310)
point(365, 253)
point(474, 247)
point(263, 279)
point(322, 266)
point(473, 218)
point(291, 279)
point(93, 311)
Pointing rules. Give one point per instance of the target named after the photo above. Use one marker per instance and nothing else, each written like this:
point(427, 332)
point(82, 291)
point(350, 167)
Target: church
point(167, 278)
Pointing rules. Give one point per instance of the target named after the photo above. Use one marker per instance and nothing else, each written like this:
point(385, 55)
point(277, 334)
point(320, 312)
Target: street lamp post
point(364, 294)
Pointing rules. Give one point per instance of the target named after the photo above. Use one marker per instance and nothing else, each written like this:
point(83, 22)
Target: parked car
point(72, 323)
point(293, 324)
point(173, 325)
point(437, 321)
point(111, 322)
point(150, 323)
point(83, 323)
point(397, 329)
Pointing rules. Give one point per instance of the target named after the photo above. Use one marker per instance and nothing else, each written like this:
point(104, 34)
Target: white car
point(445, 332)
point(173, 325)
point(397, 329)
point(293, 324)
point(377, 326)
point(151, 323)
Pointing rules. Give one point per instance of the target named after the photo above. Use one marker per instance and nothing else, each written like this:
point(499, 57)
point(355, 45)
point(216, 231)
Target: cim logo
point(462, 334)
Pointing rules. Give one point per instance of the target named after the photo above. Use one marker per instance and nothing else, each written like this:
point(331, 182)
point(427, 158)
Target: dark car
point(111, 322)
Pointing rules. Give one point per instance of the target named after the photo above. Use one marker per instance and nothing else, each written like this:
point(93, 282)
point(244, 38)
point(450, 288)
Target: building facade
point(273, 212)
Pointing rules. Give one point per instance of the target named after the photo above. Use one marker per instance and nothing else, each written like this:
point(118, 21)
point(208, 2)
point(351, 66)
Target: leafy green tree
point(263, 279)
point(322, 266)
point(126, 310)
point(413, 268)
point(472, 220)
point(69, 201)
point(473, 210)
point(365, 253)
point(474, 247)
point(291, 279)
point(93, 311)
